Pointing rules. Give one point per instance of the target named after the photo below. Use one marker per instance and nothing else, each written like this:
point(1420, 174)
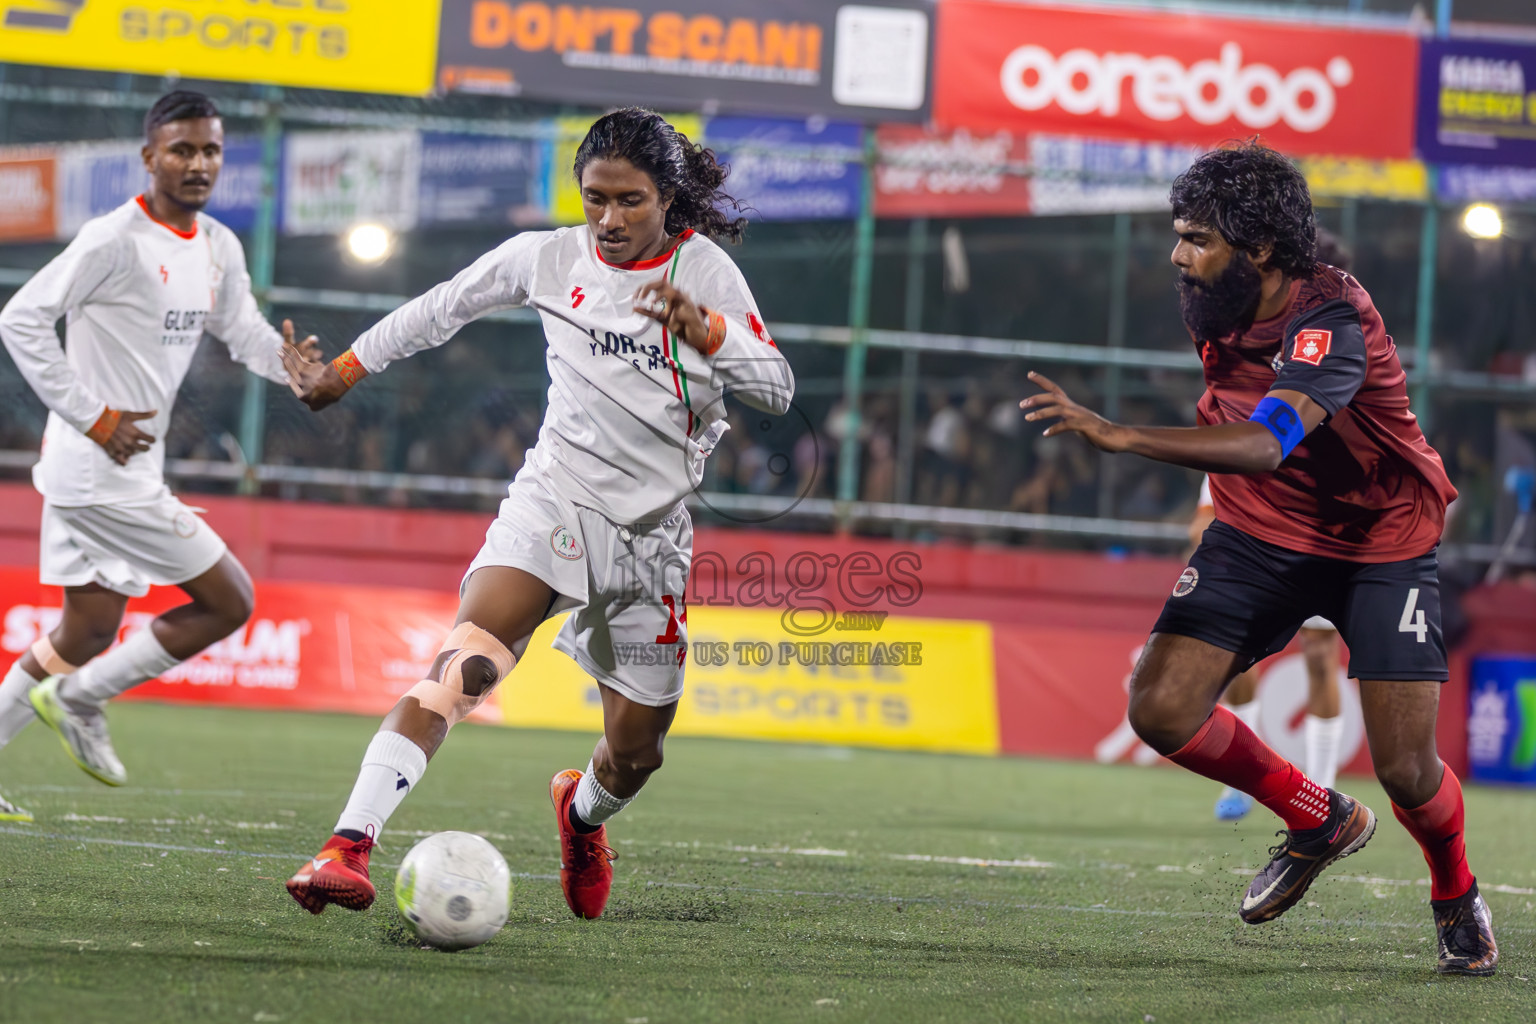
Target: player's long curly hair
point(686, 173)
point(1254, 197)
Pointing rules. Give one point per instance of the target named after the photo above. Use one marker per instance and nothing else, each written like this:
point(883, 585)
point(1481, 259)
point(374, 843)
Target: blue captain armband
point(1280, 419)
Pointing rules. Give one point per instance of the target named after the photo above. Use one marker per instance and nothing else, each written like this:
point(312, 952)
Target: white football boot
point(84, 736)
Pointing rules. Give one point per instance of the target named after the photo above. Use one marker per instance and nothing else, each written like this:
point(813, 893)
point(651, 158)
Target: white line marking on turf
point(97, 840)
point(1030, 863)
point(976, 862)
point(752, 890)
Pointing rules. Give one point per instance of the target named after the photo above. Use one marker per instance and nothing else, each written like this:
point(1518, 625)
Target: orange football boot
point(586, 860)
point(337, 874)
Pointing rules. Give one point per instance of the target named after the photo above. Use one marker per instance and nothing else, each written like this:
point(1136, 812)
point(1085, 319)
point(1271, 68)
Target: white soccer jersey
point(138, 295)
point(633, 412)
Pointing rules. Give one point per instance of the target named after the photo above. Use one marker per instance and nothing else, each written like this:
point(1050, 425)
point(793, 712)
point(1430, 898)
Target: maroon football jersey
point(1365, 485)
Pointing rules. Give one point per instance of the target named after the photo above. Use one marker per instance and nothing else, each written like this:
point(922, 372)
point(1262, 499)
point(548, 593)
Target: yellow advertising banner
point(355, 45)
point(564, 196)
point(1343, 178)
point(908, 683)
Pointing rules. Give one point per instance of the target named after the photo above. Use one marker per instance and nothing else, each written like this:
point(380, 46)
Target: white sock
point(1323, 736)
point(15, 710)
point(594, 804)
point(137, 660)
point(391, 768)
point(1248, 713)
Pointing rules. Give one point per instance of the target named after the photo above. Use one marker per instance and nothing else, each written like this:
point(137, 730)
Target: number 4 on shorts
point(1413, 618)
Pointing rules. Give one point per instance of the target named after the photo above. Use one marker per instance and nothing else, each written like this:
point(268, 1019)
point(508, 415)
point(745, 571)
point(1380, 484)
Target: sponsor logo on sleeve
point(1311, 346)
point(758, 329)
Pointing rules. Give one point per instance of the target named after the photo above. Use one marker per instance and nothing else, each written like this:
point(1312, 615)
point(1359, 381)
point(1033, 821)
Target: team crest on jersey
point(185, 524)
point(1188, 580)
point(1311, 346)
point(564, 543)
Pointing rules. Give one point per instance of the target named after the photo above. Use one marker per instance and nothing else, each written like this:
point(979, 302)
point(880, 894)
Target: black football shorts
point(1250, 597)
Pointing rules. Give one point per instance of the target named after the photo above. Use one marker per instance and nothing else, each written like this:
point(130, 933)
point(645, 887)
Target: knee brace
point(452, 697)
point(48, 658)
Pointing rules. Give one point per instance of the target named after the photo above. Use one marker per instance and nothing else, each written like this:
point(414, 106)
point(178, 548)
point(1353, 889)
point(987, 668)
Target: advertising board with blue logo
point(1501, 719)
point(95, 178)
point(1477, 102)
point(790, 169)
point(475, 179)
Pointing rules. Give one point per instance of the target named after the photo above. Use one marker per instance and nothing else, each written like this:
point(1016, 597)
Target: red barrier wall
point(287, 540)
point(1065, 626)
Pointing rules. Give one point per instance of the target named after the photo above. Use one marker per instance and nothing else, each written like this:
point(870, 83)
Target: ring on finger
point(661, 305)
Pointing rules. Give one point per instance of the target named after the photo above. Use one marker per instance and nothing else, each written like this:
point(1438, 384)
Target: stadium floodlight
point(370, 243)
point(1482, 221)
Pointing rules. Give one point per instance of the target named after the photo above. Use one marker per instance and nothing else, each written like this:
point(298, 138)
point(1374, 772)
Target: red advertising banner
point(1062, 692)
point(951, 174)
point(26, 195)
point(1172, 77)
point(308, 646)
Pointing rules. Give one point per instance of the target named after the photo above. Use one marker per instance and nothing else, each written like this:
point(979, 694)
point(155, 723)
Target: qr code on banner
point(881, 58)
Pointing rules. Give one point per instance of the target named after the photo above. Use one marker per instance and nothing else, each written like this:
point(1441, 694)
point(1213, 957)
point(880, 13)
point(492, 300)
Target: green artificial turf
point(757, 882)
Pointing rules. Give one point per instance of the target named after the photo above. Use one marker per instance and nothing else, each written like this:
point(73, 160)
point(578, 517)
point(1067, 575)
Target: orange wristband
point(105, 426)
point(716, 336)
point(349, 368)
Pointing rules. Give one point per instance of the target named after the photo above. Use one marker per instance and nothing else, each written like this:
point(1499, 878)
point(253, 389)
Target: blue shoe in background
point(1232, 805)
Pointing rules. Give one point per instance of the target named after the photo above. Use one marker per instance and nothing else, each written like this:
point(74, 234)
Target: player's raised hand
point(309, 348)
point(314, 381)
point(661, 301)
point(1053, 403)
point(128, 440)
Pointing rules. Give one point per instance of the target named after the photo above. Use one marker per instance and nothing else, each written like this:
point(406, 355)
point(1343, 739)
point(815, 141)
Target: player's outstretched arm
point(238, 322)
point(1253, 446)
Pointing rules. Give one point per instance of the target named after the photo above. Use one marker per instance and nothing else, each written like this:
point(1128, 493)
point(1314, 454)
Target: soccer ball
point(454, 890)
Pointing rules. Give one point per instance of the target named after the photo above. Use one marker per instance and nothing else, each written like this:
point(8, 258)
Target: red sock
point(1228, 751)
point(1436, 826)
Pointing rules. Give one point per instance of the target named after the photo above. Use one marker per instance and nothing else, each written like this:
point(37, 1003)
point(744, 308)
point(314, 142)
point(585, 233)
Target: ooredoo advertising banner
point(804, 57)
point(1477, 102)
point(1169, 77)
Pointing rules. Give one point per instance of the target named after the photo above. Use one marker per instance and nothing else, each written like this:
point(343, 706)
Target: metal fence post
point(253, 404)
point(906, 422)
point(858, 322)
point(1424, 325)
point(1119, 286)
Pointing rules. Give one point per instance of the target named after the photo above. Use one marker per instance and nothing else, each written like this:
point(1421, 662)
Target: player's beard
point(1225, 306)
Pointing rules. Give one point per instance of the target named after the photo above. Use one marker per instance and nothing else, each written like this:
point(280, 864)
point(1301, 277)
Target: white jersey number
point(1413, 618)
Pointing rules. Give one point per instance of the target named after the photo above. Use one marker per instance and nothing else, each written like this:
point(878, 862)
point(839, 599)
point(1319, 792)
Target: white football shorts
point(623, 584)
point(126, 549)
point(1318, 622)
